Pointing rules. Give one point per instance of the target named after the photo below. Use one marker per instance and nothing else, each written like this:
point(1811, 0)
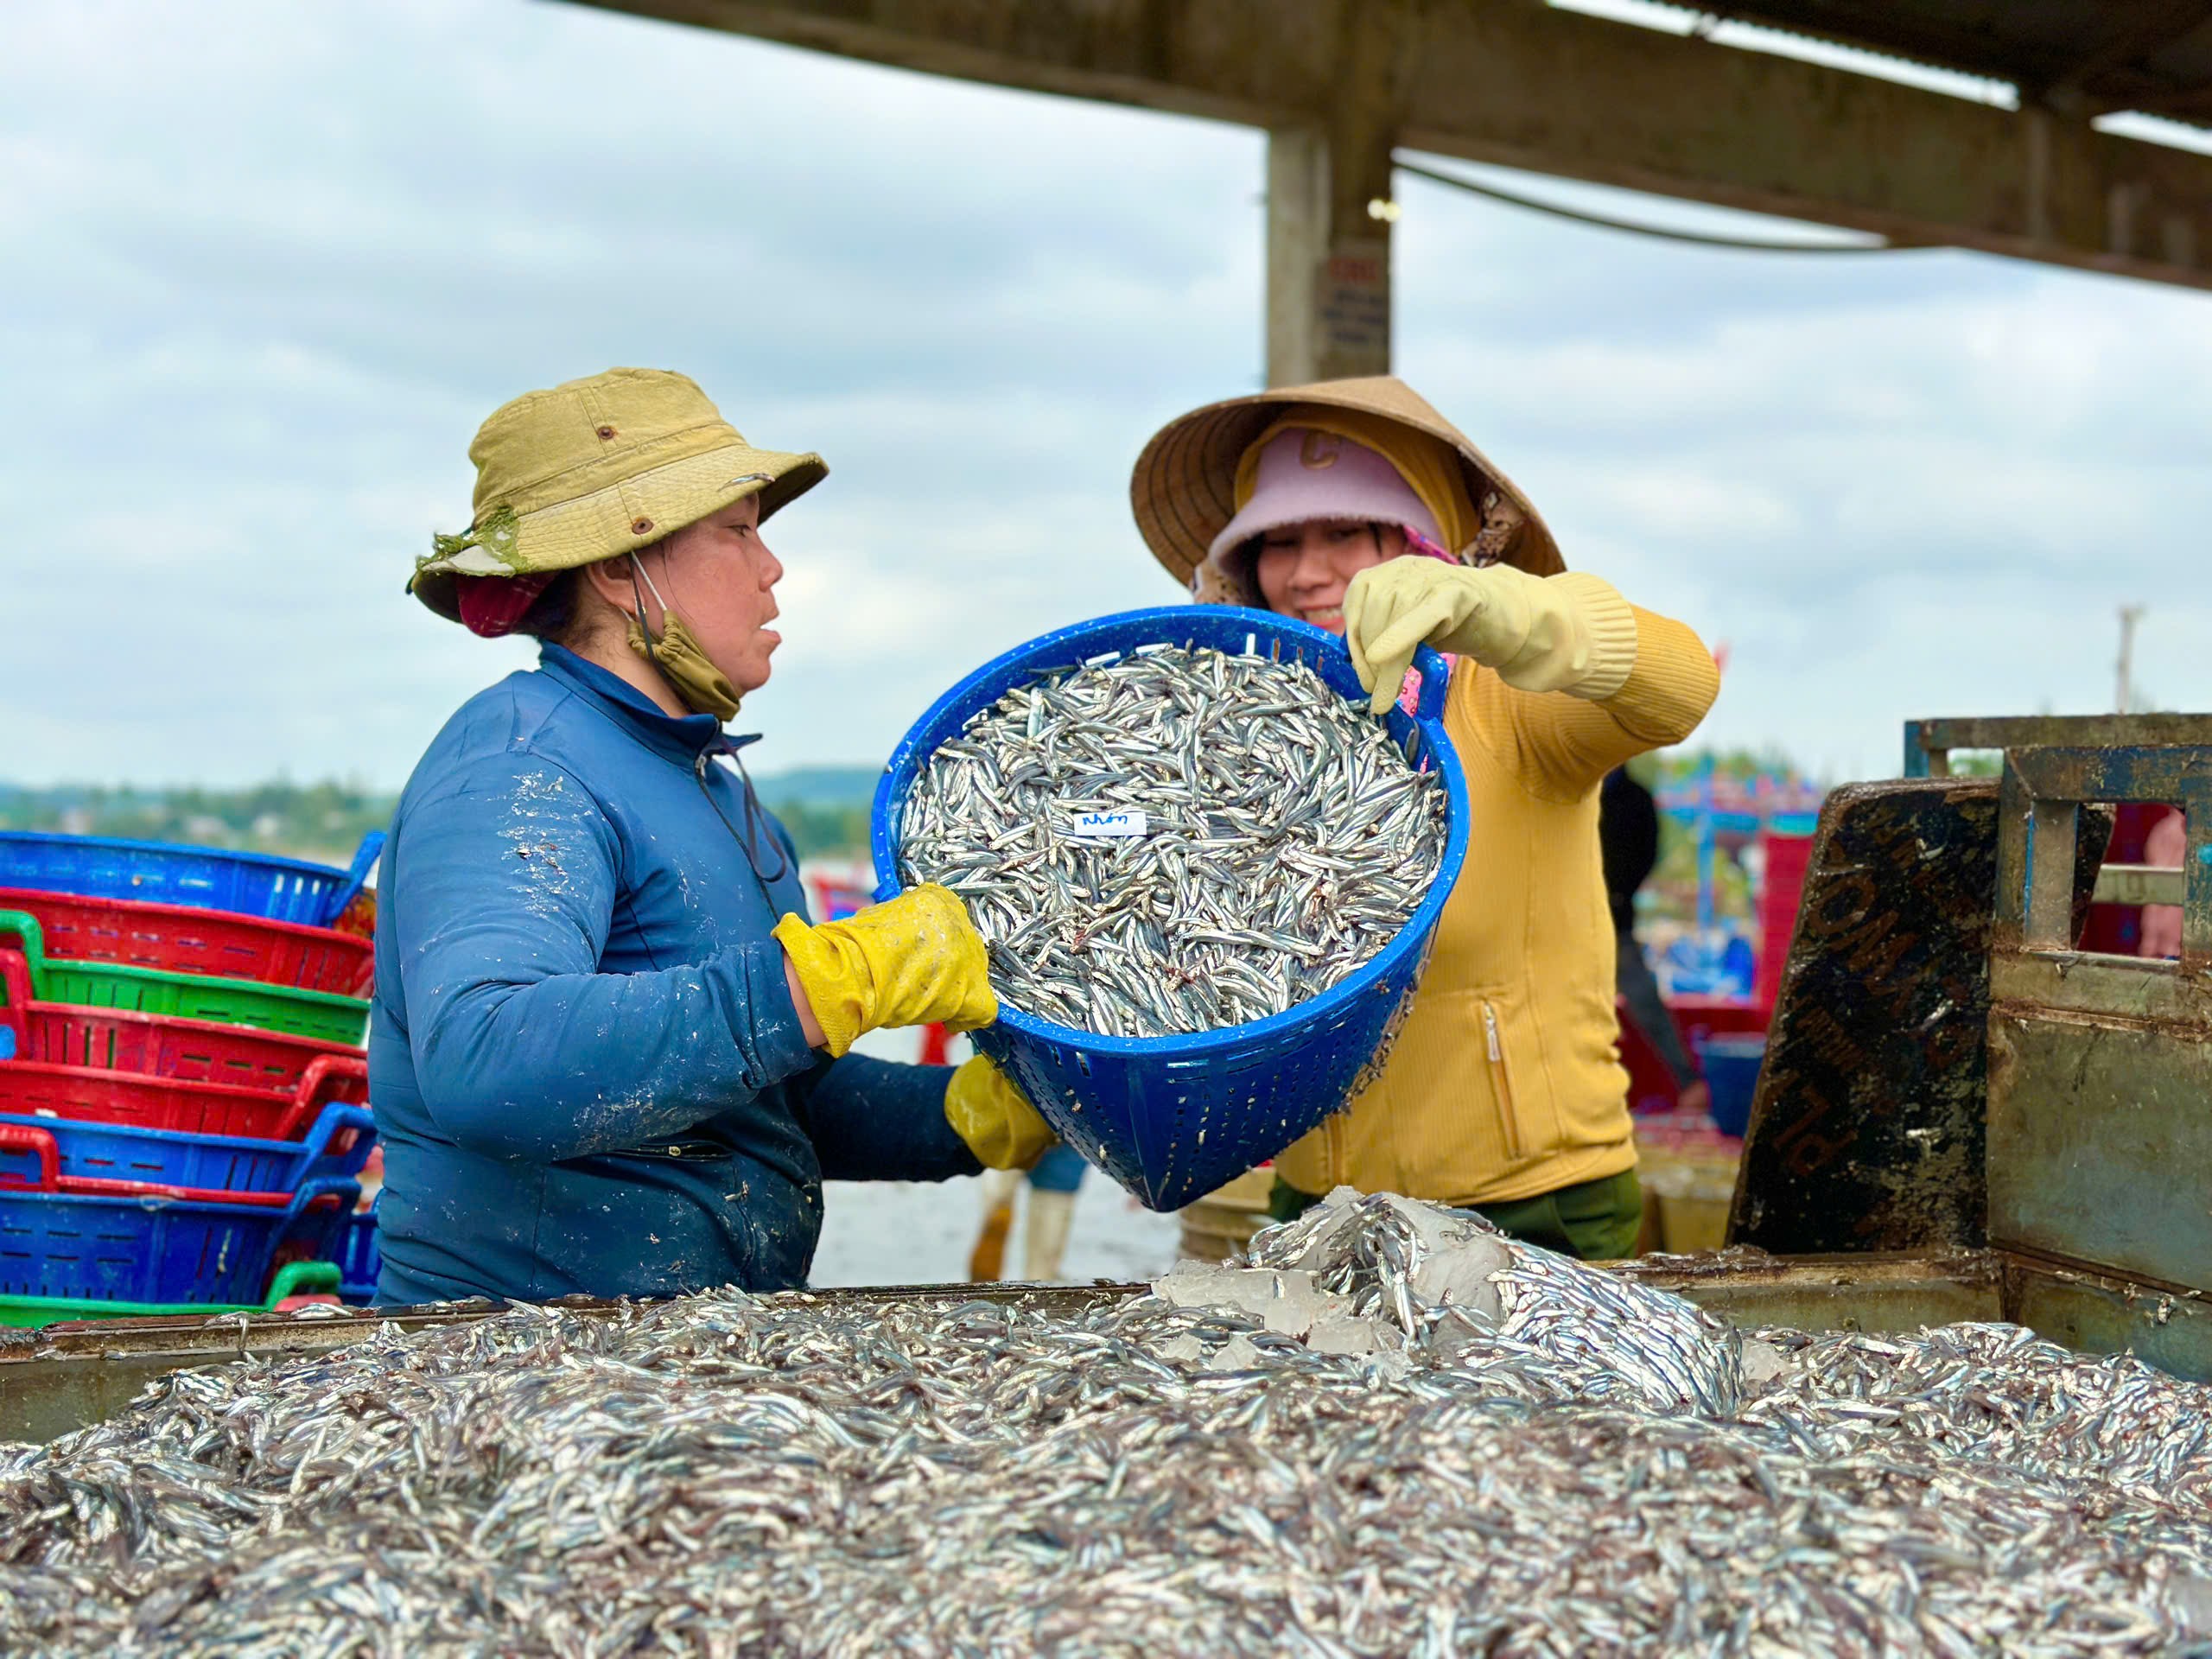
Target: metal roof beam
point(1513, 82)
point(2098, 77)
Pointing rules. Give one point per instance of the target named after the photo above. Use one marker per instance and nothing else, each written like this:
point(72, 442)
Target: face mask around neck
point(698, 684)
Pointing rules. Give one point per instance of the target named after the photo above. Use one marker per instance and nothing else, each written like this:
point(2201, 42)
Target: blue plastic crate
point(159, 872)
point(1172, 1118)
point(359, 1260)
point(1731, 1072)
point(336, 1146)
point(149, 1250)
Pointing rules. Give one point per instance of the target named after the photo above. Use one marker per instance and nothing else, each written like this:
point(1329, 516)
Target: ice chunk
point(1459, 1272)
point(1347, 1333)
point(1387, 1368)
point(1237, 1354)
point(1762, 1362)
point(1287, 1301)
point(2189, 1599)
point(1326, 1224)
point(1439, 1226)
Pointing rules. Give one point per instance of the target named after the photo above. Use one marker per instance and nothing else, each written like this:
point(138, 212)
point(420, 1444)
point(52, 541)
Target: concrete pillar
point(1328, 257)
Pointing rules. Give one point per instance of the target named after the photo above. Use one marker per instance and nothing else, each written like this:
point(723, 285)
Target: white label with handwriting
point(1104, 826)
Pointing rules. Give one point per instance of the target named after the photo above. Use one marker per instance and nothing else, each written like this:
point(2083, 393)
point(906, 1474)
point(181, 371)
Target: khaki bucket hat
point(599, 467)
point(1184, 490)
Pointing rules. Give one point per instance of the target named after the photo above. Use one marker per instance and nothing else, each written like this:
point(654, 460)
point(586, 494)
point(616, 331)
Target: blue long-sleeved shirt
point(584, 1062)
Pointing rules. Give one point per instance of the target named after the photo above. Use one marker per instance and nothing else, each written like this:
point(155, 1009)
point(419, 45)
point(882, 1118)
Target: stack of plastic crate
point(183, 1090)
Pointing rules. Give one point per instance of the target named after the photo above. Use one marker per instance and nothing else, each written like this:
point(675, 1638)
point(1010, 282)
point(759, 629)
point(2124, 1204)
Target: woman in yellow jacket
point(1354, 505)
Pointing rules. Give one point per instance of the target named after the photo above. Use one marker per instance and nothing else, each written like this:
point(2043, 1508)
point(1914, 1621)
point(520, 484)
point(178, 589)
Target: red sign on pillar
point(1355, 308)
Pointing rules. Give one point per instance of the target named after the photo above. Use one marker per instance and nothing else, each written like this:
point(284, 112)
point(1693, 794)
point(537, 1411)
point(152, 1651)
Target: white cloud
point(263, 267)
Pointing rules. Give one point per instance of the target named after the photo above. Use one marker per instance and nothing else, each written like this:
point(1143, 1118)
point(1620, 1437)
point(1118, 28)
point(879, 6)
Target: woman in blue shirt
point(609, 1053)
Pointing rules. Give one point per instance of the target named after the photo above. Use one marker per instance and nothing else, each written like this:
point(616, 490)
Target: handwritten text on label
point(1104, 826)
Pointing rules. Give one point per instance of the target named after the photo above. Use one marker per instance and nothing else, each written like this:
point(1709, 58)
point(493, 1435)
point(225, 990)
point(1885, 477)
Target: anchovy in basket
point(1389, 1431)
point(1175, 840)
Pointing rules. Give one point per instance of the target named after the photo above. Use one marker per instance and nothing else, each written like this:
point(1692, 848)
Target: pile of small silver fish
point(817, 1476)
point(1384, 1274)
point(1285, 839)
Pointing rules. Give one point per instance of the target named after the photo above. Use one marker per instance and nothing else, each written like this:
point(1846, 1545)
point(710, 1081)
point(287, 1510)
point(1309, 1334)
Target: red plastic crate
point(137, 1100)
point(182, 939)
point(62, 1034)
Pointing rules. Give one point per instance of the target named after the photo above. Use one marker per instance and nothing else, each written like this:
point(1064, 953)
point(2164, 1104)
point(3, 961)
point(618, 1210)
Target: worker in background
point(2164, 847)
point(1628, 838)
point(609, 1052)
point(1053, 1182)
point(1355, 506)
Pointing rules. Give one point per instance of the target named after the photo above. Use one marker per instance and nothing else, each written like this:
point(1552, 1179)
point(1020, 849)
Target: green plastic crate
point(293, 1279)
point(321, 1014)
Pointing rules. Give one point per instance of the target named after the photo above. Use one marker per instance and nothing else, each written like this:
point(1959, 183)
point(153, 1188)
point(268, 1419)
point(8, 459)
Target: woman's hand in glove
point(1563, 633)
point(915, 960)
point(1000, 1128)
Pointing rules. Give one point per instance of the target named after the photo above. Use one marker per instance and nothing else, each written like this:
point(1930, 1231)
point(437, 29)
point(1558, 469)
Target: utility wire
point(1745, 244)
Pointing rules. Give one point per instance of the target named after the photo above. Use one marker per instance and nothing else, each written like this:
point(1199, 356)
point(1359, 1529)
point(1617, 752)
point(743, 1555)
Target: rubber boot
point(1046, 1239)
point(987, 1261)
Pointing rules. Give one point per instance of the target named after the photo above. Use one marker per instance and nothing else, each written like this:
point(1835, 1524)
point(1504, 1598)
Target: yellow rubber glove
point(913, 961)
point(1570, 632)
point(1002, 1128)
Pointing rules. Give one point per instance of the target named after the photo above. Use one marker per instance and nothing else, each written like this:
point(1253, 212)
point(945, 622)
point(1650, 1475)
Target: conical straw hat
point(1183, 489)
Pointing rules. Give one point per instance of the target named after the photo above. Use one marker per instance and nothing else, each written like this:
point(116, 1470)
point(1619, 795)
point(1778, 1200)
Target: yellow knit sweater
point(1506, 1080)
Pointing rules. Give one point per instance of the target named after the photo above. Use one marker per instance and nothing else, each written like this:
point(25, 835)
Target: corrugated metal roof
point(2154, 56)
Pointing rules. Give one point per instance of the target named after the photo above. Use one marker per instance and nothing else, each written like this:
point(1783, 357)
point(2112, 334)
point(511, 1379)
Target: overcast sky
point(265, 266)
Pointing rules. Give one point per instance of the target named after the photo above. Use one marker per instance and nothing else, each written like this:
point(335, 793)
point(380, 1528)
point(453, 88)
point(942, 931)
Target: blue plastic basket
point(359, 1261)
point(147, 1250)
point(160, 872)
point(1731, 1072)
point(1172, 1118)
point(336, 1146)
